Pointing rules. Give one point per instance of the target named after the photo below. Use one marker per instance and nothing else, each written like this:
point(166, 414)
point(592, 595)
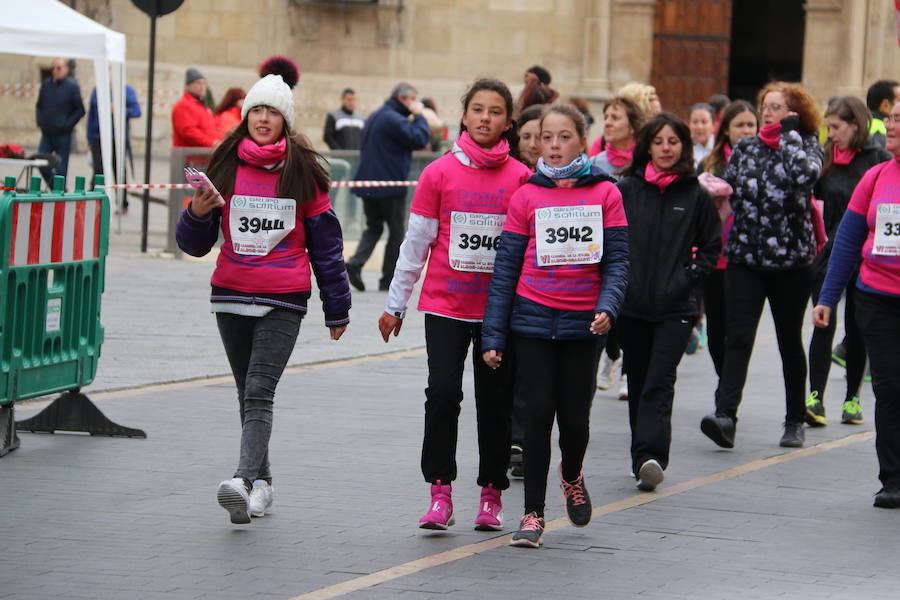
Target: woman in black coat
point(674, 240)
point(770, 251)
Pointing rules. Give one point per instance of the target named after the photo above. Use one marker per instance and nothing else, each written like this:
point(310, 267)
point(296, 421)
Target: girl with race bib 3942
point(455, 221)
point(559, 280)
point(278, 225)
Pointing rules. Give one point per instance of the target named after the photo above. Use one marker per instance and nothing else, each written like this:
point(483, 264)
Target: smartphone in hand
point(198, 180)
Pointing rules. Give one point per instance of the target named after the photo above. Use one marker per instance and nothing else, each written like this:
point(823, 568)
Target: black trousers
point(557, 381)
point(381, 211)
point(746, 291)
point(879, 320)
point(716, 315)
point(652, 352)
point(448, 341)
point(823, 338)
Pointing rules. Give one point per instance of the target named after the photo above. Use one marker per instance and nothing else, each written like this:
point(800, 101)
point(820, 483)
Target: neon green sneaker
point(852, 412)
point(815, 411)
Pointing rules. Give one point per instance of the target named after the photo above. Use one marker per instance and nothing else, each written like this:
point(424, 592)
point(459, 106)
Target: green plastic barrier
point(53, 249)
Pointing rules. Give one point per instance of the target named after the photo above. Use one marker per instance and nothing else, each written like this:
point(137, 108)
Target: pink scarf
point(660, 180)
point(843, 157)
point(481, 158)
point(771, 135)
point(262, 156)
point(619, 158)
point(727, 150)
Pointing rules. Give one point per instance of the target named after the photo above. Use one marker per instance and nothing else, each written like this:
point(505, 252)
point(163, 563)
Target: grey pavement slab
point(121, 518)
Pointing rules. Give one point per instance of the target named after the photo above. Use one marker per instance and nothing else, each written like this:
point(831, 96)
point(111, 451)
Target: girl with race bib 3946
point(455, 221)
point(559, 280)
point(278, 225)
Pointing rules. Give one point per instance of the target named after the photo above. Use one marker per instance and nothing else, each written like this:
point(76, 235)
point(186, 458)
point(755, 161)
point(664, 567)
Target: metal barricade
point(53, 249)
point(179, 199)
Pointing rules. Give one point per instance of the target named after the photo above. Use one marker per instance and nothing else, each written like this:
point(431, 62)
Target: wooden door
point(691, 41)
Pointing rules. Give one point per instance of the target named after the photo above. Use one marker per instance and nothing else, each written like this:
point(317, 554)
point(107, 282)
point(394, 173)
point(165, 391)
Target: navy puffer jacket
point(507, 311)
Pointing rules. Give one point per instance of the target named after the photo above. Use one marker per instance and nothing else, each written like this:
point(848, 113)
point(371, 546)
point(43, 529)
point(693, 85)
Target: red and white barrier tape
point(334, 184)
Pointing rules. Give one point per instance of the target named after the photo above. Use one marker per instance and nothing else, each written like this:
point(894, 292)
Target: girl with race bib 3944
point(455, 221)
point(278, 225)
point(559, 280)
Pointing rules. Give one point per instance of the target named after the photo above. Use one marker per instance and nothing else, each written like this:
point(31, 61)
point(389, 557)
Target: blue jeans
point(258, 349)
point(62, 146)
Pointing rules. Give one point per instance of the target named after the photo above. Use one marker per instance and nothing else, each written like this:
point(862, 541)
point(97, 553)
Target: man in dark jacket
point(59, 108)
point(344, 125)
point(390, 135)
point(880, 97)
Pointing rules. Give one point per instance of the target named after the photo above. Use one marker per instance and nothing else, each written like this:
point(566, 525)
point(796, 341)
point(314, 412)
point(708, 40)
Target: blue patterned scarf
point(575, 169)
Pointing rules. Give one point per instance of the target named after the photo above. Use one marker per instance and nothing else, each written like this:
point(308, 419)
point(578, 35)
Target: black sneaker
point(530, 533)
point(354, 274)
point(719, 428)
point(578, 501)
point(888, 496)
point(516, 468)
point(815, 411)
point(793, 435)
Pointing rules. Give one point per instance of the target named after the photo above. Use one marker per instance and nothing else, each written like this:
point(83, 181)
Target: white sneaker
point(233, 497)
point(608, 372)
point(650, 475)
point(261, 497)
point(623, 391)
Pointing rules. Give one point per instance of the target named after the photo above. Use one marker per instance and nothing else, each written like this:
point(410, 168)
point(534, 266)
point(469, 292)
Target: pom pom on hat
point(281, 65)
point(272, 91)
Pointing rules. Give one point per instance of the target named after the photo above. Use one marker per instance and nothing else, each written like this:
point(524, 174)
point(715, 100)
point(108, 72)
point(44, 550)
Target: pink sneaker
point(490, 517)
point(440, 515)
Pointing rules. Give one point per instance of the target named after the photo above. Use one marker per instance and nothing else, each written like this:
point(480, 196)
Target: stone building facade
point(590, 46)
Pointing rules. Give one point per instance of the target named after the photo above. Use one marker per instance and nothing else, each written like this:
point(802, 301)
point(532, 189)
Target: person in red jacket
point(193, 124)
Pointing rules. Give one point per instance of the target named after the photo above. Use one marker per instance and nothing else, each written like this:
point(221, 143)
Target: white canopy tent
point(50, 28)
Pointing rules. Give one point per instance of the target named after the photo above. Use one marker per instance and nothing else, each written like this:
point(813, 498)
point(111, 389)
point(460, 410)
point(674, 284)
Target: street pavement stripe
point(435, 560)
point(186, 384)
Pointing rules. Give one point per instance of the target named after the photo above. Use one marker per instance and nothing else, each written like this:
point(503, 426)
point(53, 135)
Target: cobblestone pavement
point(124, 518)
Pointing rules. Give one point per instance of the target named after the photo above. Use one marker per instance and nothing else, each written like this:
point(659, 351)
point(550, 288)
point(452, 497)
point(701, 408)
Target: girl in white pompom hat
point(274, 213)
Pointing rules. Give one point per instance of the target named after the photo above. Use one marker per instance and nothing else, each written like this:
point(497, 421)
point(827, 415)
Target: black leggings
point(557, 381)
point(714, 304)
point(448, 341)
point(879, 320)
point(746, 291)
point(823, 338)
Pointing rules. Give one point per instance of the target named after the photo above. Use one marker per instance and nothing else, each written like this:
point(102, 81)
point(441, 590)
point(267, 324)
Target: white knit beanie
point(272, 91)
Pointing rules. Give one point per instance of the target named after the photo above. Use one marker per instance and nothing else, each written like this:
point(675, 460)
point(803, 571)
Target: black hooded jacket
point(664, 228)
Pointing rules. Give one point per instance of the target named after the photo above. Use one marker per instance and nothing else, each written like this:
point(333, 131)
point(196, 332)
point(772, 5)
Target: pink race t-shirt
point(880, 187)
point(566, 287)
point(286, 267)
point(449, 189)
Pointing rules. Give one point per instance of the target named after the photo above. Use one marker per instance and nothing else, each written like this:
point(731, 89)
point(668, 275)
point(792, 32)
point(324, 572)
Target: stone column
point(594, 83)
point(631, 45)
point(834, 48)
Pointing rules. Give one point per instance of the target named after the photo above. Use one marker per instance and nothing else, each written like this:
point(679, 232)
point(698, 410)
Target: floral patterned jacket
point(772, 189)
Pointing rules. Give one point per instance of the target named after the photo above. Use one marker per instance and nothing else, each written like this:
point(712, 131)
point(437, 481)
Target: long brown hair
point(230, 99)
point(850, 110)
point(715, 162)
point(302, 177)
